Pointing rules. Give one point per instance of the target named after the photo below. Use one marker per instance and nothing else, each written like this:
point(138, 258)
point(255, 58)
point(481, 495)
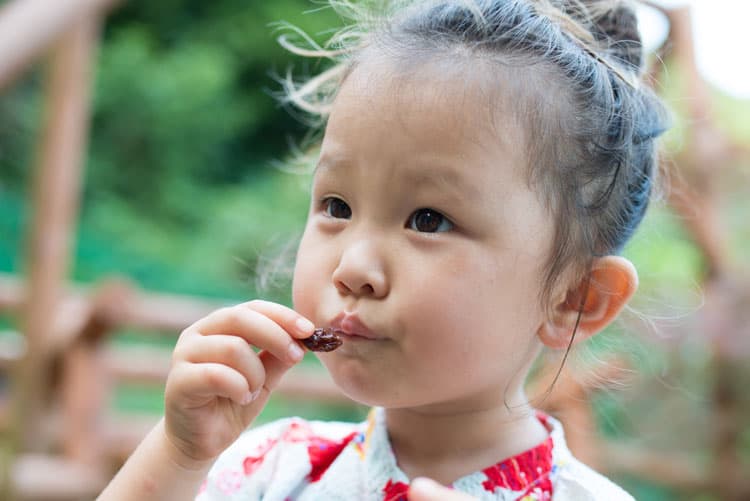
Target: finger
point(294, 323)
point(275, 370)
point(255, 327)
point(231, 351)
point(199, 383)
point(424, 489)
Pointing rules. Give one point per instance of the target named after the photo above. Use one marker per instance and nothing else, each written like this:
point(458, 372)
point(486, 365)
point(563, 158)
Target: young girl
point(483, 164)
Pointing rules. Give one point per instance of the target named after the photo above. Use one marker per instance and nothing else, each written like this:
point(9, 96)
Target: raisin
point(323, 340)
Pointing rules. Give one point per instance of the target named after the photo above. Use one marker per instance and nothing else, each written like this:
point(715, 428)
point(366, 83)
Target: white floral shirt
point(294, 459)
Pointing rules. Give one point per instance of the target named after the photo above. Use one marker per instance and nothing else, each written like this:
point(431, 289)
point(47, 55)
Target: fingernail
point(305, 326)
point(251, 397)
point(295, 352)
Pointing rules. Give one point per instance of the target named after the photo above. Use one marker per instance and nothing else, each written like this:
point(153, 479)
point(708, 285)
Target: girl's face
point(424, 242)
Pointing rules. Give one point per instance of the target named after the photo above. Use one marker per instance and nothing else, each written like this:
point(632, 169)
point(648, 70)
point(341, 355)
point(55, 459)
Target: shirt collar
point(519, 473)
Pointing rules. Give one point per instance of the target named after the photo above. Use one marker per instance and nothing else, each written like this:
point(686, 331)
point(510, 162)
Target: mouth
point(351, 327)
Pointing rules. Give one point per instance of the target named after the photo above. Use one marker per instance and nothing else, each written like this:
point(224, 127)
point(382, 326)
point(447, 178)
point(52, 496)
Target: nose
point(360, 271)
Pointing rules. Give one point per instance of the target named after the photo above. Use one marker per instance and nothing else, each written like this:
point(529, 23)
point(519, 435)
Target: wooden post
point(86, 380)
point(55, 200)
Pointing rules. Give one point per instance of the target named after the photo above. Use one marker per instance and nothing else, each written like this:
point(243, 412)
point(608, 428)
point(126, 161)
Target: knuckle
point(226, 312)
point(181, 348)
point(255, 303)
point(231, 315)
point(176, 373)
point(185, 334)
point(234, 348)
point(178, 353)
point(212, 375)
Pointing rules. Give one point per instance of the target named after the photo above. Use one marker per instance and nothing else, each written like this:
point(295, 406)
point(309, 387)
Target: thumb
point(424, 489)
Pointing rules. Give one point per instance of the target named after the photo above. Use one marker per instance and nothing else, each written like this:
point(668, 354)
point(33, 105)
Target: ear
point(610, 285)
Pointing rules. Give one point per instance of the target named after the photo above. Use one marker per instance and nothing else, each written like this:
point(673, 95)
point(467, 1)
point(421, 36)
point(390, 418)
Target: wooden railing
point(83, 369)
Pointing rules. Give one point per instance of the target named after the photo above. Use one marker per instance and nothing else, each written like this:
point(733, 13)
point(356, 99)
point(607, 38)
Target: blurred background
point(145, 181)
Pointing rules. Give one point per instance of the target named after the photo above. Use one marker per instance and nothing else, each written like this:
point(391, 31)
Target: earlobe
point(610, 285)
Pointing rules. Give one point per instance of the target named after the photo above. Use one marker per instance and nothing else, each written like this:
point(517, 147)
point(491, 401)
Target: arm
point(156, 470)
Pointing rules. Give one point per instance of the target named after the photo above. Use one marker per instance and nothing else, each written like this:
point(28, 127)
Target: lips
point(352, 326)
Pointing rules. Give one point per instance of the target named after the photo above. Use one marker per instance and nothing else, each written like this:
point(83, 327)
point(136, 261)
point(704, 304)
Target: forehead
point(440, 109)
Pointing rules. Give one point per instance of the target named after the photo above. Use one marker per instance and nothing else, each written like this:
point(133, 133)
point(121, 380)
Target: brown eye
point(429, 221)
point(337, 208)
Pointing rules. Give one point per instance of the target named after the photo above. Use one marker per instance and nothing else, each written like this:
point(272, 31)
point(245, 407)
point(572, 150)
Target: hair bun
point(616, 25)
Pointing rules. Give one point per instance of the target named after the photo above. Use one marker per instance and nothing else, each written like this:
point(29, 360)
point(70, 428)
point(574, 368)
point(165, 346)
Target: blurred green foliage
point(181, 192)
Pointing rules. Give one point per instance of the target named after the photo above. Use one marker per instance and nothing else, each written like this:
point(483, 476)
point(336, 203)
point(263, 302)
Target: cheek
point(509, 286)
point(306, 282)
point(300, 293)
point(477, 299)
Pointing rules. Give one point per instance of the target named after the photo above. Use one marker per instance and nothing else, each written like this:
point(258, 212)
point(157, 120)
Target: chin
point(365, 395)
point(364, 391)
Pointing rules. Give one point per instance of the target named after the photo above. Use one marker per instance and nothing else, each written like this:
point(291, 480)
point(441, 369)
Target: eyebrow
point(330, 163)
point(444, 179)
point(439, 177)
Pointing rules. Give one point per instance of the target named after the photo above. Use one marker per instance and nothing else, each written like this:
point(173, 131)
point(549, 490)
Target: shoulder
point(573, 480)
point(253, 462)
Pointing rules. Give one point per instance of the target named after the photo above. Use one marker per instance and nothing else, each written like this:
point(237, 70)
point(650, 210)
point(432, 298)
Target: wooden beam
point(29, 27)
point(150, 366)
point(161, 313)
point(42, 477)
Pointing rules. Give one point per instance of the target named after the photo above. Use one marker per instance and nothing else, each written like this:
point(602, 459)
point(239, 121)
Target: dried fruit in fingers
point(323, 340)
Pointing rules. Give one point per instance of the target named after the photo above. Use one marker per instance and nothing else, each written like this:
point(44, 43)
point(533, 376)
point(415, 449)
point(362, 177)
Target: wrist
point(177, 457)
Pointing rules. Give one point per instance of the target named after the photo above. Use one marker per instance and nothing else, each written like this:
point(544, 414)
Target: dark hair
point(594, 155)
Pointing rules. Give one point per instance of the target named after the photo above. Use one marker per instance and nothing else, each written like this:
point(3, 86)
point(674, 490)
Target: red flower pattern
point(253, 462)
point(395, 491)
point(323, 452)
point(528, 472)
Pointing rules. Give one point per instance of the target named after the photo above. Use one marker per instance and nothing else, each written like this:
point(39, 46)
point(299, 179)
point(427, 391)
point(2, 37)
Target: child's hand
point(218, 384)
point(423, 489)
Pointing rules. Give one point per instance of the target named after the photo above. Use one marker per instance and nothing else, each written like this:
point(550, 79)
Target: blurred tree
point(184, 99)
point(185, 129)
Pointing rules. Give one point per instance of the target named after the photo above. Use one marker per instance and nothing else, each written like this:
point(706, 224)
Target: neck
point(446, 442)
